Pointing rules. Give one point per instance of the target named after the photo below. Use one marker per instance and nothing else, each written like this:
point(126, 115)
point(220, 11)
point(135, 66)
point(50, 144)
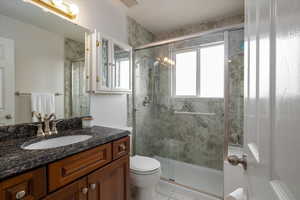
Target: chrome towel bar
point(194, 113)
point(28, 94)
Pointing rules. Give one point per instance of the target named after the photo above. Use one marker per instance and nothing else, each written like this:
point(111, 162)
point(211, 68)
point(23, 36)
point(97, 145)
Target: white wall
point(39, 57)
point(107, 17)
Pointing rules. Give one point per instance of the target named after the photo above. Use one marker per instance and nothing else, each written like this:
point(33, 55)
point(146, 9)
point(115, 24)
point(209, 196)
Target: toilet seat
point(144, 165)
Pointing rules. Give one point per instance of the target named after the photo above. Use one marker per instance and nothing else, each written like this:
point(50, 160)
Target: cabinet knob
point(123, 147)
point(93, 186)
point(21, 194)
point(85, 190)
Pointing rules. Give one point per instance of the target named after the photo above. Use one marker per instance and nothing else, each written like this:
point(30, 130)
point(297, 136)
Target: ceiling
point(164, 15)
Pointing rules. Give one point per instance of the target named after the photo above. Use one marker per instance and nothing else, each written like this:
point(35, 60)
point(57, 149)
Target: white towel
point(43, 103)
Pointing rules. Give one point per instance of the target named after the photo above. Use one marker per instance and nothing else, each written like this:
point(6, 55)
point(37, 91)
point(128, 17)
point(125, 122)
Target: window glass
point(186, 73)
point(212, 71)
point(124, 74)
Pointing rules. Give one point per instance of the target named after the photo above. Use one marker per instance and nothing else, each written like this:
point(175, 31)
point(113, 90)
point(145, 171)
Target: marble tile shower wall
point(137, 36)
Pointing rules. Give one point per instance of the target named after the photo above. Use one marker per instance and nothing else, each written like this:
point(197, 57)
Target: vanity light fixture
point(60, 7)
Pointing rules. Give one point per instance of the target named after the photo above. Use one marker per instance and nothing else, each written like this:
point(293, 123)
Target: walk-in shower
point(188, 94)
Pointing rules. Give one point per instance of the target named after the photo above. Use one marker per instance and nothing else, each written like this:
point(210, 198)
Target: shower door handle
point(235, 161)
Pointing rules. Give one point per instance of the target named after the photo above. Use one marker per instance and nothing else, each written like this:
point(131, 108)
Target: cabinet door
point(75, 191)
point(28, 186)
point(110, 182)
point(121, 66)
point(102, 60)
point(111, 65)
point(88, 62)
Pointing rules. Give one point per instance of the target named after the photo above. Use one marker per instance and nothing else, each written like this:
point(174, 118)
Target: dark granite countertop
point(15, 160)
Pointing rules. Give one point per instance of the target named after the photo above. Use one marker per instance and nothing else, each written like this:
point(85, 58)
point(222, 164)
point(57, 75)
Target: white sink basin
point(56, 142)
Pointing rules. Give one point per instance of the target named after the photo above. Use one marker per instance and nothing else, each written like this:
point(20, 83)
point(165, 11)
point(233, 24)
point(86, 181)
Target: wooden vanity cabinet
point(101, 173)
point(75, 191)
point(107, 183)
point(69, 169)
point(121, 148)
point(28, 186)
point(110, 182)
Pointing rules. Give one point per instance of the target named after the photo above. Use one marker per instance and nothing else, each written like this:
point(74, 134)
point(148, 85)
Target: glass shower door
point(184, 131)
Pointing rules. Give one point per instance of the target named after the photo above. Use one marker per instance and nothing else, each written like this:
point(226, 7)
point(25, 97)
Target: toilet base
point(145, 193)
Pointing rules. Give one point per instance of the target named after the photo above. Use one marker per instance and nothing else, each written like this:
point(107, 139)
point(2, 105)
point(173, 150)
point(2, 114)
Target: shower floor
point(192, 177)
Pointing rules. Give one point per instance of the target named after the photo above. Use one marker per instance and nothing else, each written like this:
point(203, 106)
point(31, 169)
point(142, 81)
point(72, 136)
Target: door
point(272, 100)
point(75, 191)
point(110, 182)
point(101, 60)
point(7, 81)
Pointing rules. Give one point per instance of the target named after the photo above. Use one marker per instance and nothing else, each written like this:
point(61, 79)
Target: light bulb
point(57, 2)
point(74, 9)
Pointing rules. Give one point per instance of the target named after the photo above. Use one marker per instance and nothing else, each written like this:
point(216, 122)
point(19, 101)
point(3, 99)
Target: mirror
point(121, 67)
point(42, 65)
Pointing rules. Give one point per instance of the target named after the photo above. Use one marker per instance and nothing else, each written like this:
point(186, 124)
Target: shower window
point(186, 73)
point(199, 72)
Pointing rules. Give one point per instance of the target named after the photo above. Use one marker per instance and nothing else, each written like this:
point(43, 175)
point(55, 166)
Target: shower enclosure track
point(163, 42)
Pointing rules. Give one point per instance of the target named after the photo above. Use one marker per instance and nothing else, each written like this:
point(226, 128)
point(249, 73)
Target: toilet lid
point(143, 164)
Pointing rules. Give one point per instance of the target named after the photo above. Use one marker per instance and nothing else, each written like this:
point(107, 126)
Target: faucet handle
point(40, 131)
point(54, 127)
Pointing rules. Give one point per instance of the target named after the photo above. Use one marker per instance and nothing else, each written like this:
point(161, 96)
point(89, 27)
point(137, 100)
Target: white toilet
point(144, 175)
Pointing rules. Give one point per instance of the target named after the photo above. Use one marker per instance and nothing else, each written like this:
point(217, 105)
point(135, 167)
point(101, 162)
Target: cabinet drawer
point(31, 185)
point(67, 170)
point(121, 148)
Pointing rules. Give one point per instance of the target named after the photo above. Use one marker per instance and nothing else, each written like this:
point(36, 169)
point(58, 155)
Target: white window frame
point(198, 71)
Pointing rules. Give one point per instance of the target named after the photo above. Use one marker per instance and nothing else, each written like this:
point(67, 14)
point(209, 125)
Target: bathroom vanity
point(95, 169)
